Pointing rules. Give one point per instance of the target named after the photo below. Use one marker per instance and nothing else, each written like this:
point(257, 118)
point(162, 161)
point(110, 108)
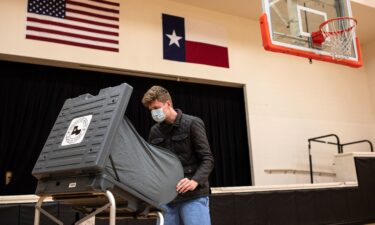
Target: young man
point(184, 135)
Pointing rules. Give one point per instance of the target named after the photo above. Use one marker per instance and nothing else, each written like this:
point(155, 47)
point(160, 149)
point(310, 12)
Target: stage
point(350, 202)
point(328, 203)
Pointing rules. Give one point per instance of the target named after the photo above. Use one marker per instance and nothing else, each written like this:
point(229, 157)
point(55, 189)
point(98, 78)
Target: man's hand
point(186, 185)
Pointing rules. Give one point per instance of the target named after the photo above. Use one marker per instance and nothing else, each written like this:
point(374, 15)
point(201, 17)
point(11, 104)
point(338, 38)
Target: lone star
point(173, 38)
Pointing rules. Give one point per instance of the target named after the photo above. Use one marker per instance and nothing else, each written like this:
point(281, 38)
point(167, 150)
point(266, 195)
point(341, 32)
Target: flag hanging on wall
point(192, 41)
point(84, 23)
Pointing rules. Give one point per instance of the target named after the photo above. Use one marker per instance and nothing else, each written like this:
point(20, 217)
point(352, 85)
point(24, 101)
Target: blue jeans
point(191, 212)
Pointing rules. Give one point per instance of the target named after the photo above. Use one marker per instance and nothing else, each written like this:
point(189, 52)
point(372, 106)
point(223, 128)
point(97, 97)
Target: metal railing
point(340, 148)
point(357, 142)
point(316, 139)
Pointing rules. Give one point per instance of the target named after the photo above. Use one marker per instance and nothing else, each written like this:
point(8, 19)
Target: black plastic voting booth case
point(95, 160)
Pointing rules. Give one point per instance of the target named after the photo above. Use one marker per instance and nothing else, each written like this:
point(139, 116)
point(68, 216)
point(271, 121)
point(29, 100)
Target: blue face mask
point(158, 115)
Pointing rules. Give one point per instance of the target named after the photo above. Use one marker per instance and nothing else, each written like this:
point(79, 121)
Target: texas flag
point(194, 42)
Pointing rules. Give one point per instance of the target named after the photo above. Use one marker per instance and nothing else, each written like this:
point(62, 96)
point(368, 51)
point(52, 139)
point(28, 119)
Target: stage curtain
point(32, 96)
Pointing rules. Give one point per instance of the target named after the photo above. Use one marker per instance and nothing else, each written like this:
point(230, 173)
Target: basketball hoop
point(338, 34)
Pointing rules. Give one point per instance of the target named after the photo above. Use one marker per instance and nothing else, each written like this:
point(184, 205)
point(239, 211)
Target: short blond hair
point(156, 93)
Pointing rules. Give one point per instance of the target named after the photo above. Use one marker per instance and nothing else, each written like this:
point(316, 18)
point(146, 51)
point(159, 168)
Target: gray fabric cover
point(151, 171)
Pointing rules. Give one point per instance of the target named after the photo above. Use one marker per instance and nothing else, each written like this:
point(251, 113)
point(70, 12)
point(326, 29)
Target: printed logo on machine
point(77, 130)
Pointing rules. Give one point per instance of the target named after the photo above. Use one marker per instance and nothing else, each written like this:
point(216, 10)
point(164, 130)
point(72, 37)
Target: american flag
point(84, 23)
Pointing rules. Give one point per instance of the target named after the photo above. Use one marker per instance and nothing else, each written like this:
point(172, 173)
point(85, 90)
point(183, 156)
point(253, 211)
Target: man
point(184, 135)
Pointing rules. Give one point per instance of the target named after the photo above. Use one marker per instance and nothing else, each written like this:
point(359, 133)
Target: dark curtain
point(291, 207)
point(32, 96)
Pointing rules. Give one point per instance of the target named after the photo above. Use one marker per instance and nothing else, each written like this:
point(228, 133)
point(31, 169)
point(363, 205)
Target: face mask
point(158, 115)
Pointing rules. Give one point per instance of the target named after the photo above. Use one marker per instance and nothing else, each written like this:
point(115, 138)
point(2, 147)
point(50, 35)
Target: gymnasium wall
point(369, 56)
point(288, 99)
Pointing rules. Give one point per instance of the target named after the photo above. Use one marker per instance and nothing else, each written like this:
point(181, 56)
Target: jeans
point(190, 212)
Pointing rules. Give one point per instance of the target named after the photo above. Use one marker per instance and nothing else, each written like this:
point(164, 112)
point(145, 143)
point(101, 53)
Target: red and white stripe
point(88, 23)
point(206, 43)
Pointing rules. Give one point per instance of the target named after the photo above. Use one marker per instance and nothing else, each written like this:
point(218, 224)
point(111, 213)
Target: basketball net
point(338, 34)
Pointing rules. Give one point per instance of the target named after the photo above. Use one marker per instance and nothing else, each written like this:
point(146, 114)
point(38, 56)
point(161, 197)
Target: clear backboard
point(287, 27)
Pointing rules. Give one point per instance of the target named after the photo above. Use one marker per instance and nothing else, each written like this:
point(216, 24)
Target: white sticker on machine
point(77, 130)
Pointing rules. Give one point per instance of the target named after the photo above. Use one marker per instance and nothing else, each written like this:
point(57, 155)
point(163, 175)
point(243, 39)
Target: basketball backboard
point(287, 25)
